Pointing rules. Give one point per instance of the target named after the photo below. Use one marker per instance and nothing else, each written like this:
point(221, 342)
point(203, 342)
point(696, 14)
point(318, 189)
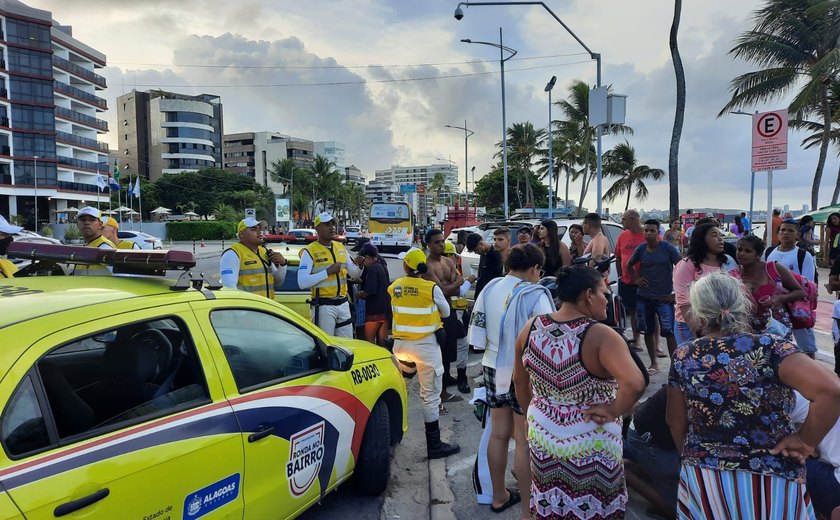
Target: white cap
point(89, 211)
point(246, 223)
point(323, 218)
point(7, 228)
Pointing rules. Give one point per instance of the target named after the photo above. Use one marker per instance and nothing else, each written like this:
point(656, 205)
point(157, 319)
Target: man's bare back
point(599, 246)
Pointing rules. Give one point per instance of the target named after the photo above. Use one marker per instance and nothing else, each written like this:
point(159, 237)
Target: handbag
point(803, 313)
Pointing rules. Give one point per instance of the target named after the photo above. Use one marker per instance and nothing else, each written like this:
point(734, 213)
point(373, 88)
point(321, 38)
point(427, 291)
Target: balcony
point(77, 93)
point(78, 117)
point(77, 186)
point(80, 163)
point(5, 150)
point(4, 121)
point(6, 179)
point(72, 68)
point(81, 141)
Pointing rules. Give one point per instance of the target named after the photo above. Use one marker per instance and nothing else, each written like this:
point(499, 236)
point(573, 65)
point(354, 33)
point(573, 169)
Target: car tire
point(373, 467)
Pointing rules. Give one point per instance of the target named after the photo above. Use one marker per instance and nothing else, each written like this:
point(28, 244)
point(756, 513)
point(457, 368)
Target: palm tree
point(575, 110)
point(795, 44)
point(326, 179)
point(679, 117)
point(817, 130)
point(523, 143)
point(621, 163)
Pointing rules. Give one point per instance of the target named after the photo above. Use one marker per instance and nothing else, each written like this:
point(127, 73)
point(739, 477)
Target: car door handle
point(75, 505)
point(264, 431)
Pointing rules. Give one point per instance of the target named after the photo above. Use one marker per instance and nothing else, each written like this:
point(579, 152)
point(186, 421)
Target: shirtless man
point(443, 272)
point(598, 246)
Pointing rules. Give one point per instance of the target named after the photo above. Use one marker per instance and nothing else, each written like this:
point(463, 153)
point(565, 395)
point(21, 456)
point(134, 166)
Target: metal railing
point(81, 163)
point(78, 186)
point(78, 93)
point(81, 141)
point(82, 72)
point(78, 117)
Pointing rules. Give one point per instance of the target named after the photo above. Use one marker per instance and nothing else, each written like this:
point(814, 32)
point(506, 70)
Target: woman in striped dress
point(730, 398)
point(577, 379)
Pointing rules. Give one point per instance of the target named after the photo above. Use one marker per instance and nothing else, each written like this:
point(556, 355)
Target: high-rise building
point(333, 151)
point(50, 155)
point(354, 175)
point(420, 176)
point(165, 132)
point(254, 153)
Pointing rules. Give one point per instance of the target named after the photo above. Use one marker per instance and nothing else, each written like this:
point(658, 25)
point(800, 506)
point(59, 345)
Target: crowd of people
point(746, 426)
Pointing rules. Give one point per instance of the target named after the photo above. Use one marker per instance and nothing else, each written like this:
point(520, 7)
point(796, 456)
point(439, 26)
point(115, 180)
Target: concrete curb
point(440, 494)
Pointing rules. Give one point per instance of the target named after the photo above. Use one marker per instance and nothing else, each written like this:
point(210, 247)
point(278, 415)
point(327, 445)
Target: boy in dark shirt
point(490, 265)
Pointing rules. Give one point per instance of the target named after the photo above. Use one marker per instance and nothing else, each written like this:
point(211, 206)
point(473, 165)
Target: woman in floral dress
point(577, 379)
point(729, 402)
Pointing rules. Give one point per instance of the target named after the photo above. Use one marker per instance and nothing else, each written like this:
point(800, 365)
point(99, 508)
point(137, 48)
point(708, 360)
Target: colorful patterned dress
point(576, 465)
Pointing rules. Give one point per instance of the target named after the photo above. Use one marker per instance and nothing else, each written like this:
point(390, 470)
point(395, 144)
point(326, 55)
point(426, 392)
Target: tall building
point(165, 132)
point(49, 129)
point(354, 175)
point(254, 153)
point(423, 175)
point(333, 151)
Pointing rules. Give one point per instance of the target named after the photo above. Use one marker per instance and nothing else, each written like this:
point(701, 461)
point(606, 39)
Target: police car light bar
point(124, 261)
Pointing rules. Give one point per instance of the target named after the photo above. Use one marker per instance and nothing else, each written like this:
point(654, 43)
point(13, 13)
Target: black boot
point(435, 448)
point(448, 380)
point(463, 385)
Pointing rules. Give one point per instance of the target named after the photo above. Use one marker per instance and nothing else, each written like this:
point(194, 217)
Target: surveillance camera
point(459, 13)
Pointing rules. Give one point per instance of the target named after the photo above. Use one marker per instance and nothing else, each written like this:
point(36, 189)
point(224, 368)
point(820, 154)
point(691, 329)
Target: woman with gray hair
point(730, 398)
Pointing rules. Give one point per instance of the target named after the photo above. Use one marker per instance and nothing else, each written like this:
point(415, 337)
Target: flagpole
point(139, 195)
point(128, 199)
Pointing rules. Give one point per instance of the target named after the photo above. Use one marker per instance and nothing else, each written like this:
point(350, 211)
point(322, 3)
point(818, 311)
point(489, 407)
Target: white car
point(352, 233)
point(469, 261)
point(144, 240)
point(31, 236)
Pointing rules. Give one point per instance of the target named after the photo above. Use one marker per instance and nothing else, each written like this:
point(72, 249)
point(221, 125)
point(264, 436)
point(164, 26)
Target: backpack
point(800, 257)
point(803, 313)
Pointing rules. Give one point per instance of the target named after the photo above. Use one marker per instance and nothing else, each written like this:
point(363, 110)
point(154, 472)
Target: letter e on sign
point(769, 141)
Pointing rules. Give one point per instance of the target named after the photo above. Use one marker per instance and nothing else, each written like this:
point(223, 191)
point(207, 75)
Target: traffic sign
point(250, 213)
point(770, 140)
point(421, 189)
point(408, 188)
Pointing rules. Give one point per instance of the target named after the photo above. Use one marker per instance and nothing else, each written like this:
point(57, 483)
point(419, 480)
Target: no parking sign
point(769, 141)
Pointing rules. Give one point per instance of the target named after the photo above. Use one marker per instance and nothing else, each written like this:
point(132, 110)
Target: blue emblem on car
point(212, 497)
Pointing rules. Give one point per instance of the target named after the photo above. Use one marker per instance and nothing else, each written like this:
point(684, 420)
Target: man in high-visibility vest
point(89, 222)
point(248, 266)
point(109, 231)
point(324, 267)
point(418, 305)
point(7, 268)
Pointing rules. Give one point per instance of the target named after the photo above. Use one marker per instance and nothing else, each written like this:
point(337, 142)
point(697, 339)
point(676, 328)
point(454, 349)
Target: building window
point(27, 33)
point(33, 118)
point(35, 90)
point(30, 62)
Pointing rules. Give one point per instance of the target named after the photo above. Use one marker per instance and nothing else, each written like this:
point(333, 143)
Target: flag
point(114, 185)
point(128, 190)
point(136, 191)
point(116, 172)
point(100, 181)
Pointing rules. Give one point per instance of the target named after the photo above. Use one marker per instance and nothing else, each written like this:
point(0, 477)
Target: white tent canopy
point(160, 209)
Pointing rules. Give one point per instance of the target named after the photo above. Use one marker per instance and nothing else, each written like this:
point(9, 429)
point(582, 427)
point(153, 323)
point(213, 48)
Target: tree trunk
point(629, 192)
point(815, 187)
point(583, 185)
point(836, 190)
point(679, 116)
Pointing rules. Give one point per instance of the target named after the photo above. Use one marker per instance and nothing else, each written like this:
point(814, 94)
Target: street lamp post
point(548, 88)
point(36, 193)
point(752, 179)
point(502, 61)
point(459, 14)
point(466, 157)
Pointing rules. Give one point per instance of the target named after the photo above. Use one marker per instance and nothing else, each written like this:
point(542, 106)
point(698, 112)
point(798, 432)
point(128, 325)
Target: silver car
point(144, 240)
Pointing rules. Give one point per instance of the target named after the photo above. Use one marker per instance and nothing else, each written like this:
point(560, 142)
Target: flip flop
point(661, 354)
point(514, 499)
point(442, 410)
point(446, 397)
point(652, 371)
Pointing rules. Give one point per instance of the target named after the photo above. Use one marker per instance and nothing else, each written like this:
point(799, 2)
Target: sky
point(386, 76)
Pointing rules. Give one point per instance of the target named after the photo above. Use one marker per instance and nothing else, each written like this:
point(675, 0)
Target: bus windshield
point(385, 212)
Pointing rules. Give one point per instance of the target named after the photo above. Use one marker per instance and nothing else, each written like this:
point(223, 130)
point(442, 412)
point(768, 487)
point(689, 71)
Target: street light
point(502, 61)
point(448, 188)
point(548, 87)
point(36, 193)
point(466, 159)
point(459, 14)
point(752, 180)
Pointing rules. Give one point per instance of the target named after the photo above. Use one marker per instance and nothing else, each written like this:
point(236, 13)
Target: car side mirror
point(339, 358)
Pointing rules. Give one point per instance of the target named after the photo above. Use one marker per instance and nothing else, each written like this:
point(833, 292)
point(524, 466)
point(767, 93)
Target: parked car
point(144, 240)
point(297, 236)
point(144, 394)
point(30, 236)
point(469, 261)
point(352, 233)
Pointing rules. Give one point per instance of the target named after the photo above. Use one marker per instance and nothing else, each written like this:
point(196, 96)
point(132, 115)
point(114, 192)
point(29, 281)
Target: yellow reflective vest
point(255, 273)
point(413, 305)
point(127, 244)
point(7, 268)
point(333, 286)
point(94, 269)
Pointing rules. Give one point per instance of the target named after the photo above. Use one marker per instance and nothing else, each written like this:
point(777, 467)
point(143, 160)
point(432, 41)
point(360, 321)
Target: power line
point(269, 67)
point(361, 82)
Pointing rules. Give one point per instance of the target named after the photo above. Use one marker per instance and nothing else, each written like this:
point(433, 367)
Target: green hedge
point(208, 230)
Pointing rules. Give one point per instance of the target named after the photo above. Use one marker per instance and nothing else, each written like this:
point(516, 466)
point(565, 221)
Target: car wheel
point(373, 468)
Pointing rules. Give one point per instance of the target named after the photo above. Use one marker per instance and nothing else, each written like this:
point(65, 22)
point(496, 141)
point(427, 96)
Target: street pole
point(769, 225)
point(599, 160)
point(550, 161)
point(504, 126)
point(466, 164)
point(36, 193)
point(752, 197)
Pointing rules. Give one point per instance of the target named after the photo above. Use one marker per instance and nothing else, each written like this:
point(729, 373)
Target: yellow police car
point(152, 398)
point(290, 294)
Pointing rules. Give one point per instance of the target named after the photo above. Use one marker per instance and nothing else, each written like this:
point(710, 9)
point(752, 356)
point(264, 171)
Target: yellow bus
point(391, 225)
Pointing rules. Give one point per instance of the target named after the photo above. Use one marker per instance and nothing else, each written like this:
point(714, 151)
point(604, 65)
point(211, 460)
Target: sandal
point(442, 410)
point(661, 354)
point(446, 397)
point(514, 499)
point(651, 370)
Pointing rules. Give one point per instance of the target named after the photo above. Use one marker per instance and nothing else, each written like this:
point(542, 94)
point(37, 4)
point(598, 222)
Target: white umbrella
point(161, 209)
point(132, 212)
point(108, 212)
point(123, 208)
point(191, 214)
point(71, 209)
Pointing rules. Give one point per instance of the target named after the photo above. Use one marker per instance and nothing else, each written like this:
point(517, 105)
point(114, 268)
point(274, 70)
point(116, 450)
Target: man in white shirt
point(787, 254)
point(823, 473)
point(248, 266)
